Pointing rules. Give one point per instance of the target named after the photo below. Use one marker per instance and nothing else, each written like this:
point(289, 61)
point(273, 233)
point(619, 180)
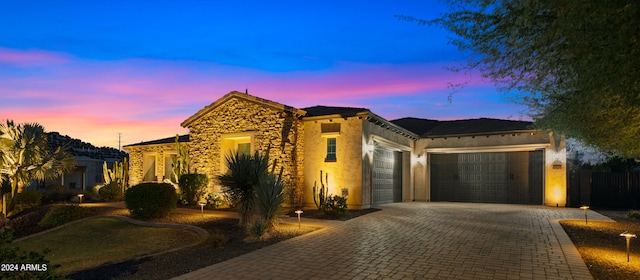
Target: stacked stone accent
point(136, 160)
point(277, 132)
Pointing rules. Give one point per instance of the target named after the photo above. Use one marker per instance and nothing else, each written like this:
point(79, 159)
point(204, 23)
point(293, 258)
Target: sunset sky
point(94, 69)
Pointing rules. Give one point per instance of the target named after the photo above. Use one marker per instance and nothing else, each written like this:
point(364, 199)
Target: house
point(367, 158)
point(89, 161)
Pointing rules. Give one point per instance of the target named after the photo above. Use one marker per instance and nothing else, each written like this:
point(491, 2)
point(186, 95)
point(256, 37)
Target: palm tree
point(243, 177)
point(25, 156)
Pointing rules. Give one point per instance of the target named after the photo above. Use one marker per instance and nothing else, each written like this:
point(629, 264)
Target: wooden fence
point(604, 189)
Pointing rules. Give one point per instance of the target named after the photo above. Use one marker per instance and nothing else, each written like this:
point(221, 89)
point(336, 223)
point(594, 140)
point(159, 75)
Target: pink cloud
point(29, 58)
point(146, 100)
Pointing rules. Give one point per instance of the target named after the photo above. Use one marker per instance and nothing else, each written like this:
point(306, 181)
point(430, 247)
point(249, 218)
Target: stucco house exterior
point(367, 158)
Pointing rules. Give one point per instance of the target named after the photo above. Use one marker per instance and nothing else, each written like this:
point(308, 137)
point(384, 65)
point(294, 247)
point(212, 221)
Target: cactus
point(181, 164)
point(321, 194)
point(119, 173)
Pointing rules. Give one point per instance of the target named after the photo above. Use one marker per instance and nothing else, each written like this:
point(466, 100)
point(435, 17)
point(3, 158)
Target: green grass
point(97, 241)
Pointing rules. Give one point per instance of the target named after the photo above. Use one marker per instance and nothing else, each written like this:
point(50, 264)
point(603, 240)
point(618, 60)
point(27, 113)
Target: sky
point(120, 72)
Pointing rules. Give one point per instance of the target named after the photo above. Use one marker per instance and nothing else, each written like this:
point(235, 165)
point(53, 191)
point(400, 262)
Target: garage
point(492, 177)
point(387, 175)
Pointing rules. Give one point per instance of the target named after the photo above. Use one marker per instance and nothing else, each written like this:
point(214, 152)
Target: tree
point(25, 156)
point(574, 63)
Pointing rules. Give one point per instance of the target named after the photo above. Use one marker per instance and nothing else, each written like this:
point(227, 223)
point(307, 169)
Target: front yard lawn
point(98, 241)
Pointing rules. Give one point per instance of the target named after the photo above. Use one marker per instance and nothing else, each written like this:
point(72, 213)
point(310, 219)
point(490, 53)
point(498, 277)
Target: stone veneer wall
point(278, 131)
point(136, 160)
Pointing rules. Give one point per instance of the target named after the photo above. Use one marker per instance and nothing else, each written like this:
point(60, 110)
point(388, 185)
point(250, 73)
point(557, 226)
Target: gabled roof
point(332, 110)
point(433, 128)
point(168, 140)
point(244, 96)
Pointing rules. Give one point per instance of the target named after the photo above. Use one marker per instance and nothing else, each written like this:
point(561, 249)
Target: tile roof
point(168, 140)
point(332, 110)
point(433, 128)
point(79, 148)
point(416, 125)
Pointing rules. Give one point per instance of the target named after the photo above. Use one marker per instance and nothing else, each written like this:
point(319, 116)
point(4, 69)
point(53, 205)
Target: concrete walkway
point(422, 241)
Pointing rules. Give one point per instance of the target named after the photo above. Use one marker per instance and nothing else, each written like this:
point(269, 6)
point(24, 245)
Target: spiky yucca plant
point(270, 195)
point(241, 180)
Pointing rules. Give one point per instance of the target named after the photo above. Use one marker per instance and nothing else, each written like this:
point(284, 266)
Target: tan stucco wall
point(373, 133)
point(555, 193)
point(555, 179)
point(345, 172)
point(136, 160)
point(273, 131)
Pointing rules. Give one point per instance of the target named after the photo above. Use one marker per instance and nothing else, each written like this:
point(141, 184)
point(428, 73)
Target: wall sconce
point(557, 164)
point(628, 236)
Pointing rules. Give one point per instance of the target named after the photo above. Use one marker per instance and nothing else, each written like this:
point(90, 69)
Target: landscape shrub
point(193, 187)
point(259, 228)
point(213, 201)
point(216, 239)
point(239, 182)
point(151, 200)
point(111, 192)
point(270, 195)
point(26, 200)
point(61, 214)
point(633, 214)
point(57, 193)
point(335, 205)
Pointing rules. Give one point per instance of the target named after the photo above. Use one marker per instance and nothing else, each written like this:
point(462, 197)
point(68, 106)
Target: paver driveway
point(422, 241)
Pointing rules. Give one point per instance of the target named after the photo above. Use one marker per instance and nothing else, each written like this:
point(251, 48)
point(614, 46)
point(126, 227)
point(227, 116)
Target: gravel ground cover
point(603, 249)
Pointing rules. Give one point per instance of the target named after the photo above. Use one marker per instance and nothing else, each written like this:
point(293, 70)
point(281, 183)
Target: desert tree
point(25, 156)
point(573, 63)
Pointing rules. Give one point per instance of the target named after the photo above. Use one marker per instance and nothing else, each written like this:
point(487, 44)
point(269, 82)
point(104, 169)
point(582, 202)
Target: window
point(244, 148)
point(169, 160)
point(149, 168)
point(331, 149)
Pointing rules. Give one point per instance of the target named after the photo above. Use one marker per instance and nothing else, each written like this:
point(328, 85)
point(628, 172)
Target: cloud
point(148, 99)
point(30, 58)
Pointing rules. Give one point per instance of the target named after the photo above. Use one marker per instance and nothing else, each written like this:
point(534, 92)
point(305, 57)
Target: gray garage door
point(387, 175)
point(505, 177)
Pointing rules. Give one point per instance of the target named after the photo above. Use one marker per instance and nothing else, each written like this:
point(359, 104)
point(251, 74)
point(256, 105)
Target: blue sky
point(93, 69)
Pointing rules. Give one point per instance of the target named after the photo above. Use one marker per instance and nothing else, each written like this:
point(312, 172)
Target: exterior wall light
point(628, 236)
point(298, 212)
point(585, 208)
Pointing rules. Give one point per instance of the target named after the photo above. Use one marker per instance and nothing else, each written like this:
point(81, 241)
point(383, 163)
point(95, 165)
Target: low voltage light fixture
point(80, 197)
point(298, 212)
point(585, 208)
point(628, 236)
point(202, 208)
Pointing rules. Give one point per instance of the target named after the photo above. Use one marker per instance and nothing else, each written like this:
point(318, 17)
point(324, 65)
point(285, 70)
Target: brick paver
point(422, 241)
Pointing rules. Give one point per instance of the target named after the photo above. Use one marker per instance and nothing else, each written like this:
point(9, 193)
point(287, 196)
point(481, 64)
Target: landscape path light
point(80, 197)
point(585, 208)
point(298, 212)
point(202, 204)
point(628, 236)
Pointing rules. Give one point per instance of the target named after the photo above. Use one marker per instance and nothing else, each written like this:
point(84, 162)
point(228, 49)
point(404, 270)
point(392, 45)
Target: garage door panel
point(505, 177)
point(387, 175)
